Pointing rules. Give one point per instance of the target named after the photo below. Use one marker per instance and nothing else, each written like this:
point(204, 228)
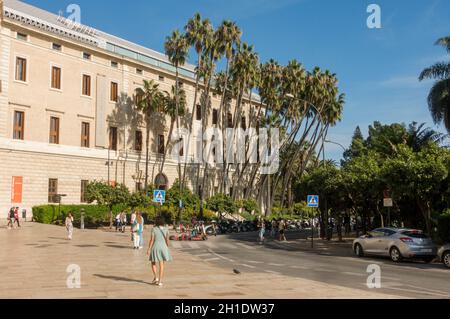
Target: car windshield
point(415, 234)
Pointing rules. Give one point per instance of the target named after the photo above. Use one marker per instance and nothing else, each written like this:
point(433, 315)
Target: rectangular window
point(114, 64)
point(86, 85)
point(139, 71)
point(114, 92)
point(243, 123)
point(86, 56)
point(138, 141)
point(16, 190)
point(22, 36)
point(161, 78)
point(52, 190)
point(180, 84)
point(215, 117)
point(229, 120)
point(161, 145)
point(85, 132)
point(56, 46)
point(113, 138)
point(138, 187)
point(19, 125)
point(56, 78)
point(84, 185)
point(198, 112)
point(21, 69)
point(54, 130)
point(181, 152)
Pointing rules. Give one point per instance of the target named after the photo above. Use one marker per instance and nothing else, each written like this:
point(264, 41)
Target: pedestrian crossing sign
point(159, 196)
point(313, 201)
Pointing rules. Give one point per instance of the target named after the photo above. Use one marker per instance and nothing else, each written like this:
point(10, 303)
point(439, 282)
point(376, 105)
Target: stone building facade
point(66, 109)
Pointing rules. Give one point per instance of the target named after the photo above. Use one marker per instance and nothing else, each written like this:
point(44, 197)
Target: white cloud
point(406, 82)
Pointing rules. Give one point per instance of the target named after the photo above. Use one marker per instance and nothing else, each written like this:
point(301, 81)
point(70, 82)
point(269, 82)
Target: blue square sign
point(313, 201)
point(159, 196)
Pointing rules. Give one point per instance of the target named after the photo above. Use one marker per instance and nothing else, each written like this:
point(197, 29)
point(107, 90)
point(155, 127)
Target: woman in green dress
point(158, 249)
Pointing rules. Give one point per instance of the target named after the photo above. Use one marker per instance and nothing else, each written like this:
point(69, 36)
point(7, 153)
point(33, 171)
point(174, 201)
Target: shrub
point(94, 215)
point(249, 206)
point(221, 203)
point(443, 226)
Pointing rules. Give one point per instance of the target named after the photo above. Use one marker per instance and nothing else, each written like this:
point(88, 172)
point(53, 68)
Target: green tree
point(148, 100)
point(221, 203)
point(418, 177)
point(439, 96)
point(107, 195)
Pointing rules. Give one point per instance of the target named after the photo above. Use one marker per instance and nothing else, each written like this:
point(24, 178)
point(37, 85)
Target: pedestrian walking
point(281, 230)
point(16, 216)
point(262, 230)
point(140, 220)
point(135, 232)
point(11, 218)
point(69, 226)
point(123, 221)
point(158, 250)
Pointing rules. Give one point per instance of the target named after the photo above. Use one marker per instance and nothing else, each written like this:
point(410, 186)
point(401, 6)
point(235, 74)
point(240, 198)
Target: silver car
point(444, 255)
point(397, 243)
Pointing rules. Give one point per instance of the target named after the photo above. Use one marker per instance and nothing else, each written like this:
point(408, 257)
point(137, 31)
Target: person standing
point(281, 230)
point(273, 228)
point(118, 221)
point(262, 230)
point(158, 250)
point(69, 226)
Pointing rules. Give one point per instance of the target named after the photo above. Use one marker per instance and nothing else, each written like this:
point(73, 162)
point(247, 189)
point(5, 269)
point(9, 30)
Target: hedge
point(53, 214)
point(96, 215)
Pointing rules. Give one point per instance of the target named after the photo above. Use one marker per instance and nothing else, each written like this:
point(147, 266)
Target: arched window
point(161, 182)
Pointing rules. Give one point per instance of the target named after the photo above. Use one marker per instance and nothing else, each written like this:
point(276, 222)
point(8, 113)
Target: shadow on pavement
point(116, 278)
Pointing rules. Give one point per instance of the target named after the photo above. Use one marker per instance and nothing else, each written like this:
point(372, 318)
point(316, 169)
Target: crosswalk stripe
point(212, 259)
point(226, 245)
point(248, 266)
point(246, 246)
point(193, 245)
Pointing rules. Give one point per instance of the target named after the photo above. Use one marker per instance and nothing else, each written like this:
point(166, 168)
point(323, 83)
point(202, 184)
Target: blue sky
point(377, 68)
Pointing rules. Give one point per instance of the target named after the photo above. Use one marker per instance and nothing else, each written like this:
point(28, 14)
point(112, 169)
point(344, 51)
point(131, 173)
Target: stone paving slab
point(35, 257)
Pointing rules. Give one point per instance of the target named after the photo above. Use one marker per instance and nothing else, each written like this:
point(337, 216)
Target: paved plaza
point(34, 260)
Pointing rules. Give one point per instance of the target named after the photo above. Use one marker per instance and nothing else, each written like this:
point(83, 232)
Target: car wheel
point(395, 254)
point(359, 250)
point(446, 259)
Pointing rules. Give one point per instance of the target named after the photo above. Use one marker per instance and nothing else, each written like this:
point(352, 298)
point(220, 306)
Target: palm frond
point(439, 70)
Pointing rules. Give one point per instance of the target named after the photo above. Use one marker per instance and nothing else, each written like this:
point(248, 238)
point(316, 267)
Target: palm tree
point(439, 96)
point(198, 33)
point(176, 47)
point(170, 105)
point(148, 99)
point(418, 136)
point(229, 36)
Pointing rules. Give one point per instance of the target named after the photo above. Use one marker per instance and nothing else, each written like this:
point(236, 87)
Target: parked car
point(444, 255)
point(397, 243)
